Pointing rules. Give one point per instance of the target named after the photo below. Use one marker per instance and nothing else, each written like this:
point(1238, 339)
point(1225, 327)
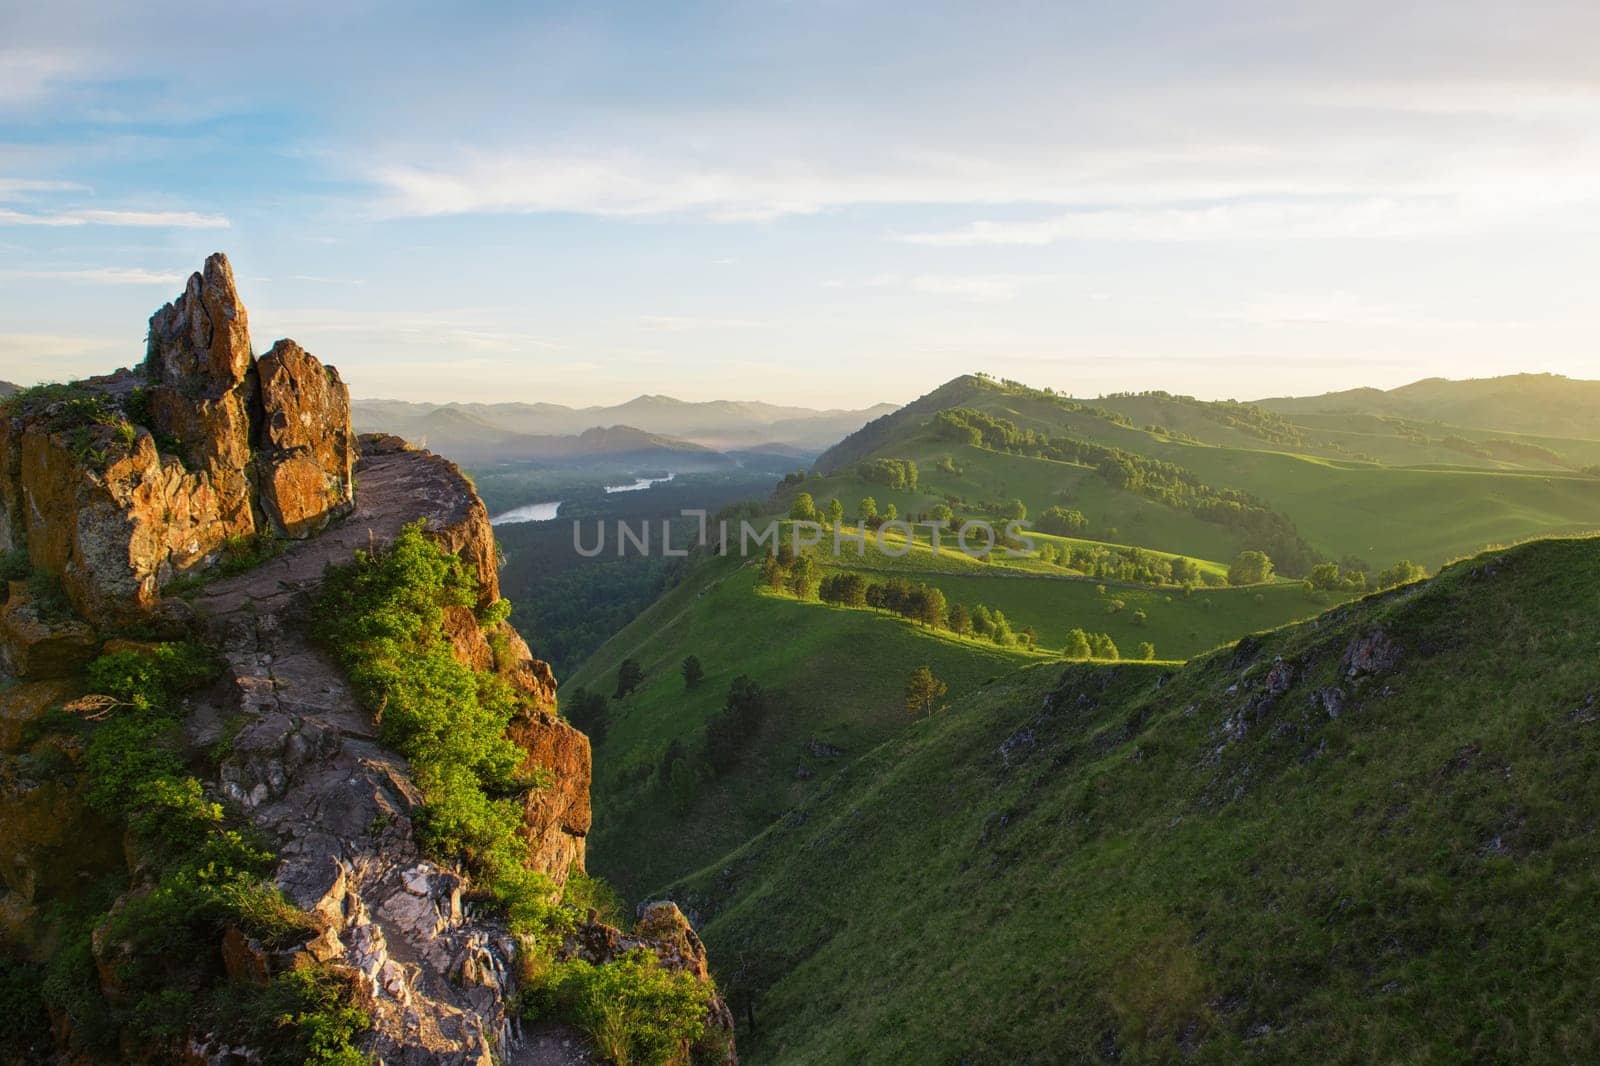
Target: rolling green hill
point(835, 675)
point(1340, 506)
point(1520, 403)
point(834, 679)
point(1370, 837)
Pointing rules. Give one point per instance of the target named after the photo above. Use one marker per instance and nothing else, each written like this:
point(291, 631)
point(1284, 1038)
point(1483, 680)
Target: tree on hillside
point(773, 574)
point(1250, 568)
point(941, 512)
point(803, 577)
point(1103, 647)
point(835, 512)
point(1015, 510)
point(693, 672)
point(931, 609)
point(1147, 651)
point(587, 711)
point(681, 786)
point(923, 690)
point(869, 510)
point(1062, 521)
point(629, 674)
point(1077, 646)
point(960, 620)
point(1402, 573)
point(804, 509)
point(890, 513)
point(1329, 578)
point(732, 728)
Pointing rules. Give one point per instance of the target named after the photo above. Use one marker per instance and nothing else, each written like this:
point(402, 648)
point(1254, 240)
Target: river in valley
point(547, 510)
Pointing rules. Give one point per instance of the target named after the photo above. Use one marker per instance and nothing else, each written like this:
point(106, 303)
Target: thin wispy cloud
point(1337, 308)
point(1366, 219)
point(98, 217)
point(24, 188)
point(100, 276)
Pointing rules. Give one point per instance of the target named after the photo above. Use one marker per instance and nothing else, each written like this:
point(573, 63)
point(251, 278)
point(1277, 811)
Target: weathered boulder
point(556, 818)
point(1373, 652)
point(306, 447)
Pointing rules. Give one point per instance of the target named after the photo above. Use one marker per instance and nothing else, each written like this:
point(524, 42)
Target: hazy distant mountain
point(8, 389)
point(470, 438)
point(1544, 404)
point(719, 424)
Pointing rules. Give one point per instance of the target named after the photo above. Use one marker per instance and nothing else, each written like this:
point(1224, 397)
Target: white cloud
point(100, 276)
point(1369, 218)
point(22, 188)
point(1335, 308)
point(164, 219)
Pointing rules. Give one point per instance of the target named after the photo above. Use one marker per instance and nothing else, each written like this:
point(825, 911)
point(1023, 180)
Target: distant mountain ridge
point(1546, 404)
point(717, 424)
point(470, 438)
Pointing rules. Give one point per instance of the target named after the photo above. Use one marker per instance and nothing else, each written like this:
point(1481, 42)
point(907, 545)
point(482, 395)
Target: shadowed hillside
point(1370, 837)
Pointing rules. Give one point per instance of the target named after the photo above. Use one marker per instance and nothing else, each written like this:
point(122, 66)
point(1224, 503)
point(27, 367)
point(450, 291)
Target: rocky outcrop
point(198, 363)
point(118, 484)
point(306, 447)
point(36, 644)
point(663, 931)
point(555, 820)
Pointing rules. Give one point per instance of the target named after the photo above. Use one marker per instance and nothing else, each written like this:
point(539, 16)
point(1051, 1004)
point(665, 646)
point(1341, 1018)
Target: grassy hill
point(1370, 837)
point(1546, 404)
point(1341, 506)
point(836, 675)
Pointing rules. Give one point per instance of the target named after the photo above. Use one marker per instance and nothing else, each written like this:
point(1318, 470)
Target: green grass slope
point(1526, 403)
point(837, 676)
point(1444, 505)
point(1366, 838)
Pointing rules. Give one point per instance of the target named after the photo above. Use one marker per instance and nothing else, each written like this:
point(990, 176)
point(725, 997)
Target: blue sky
point(830, 203)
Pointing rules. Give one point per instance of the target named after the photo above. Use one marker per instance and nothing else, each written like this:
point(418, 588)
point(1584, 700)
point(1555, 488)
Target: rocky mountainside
point(233, 479)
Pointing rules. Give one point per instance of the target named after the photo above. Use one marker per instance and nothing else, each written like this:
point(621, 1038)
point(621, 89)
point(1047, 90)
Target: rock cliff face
point(116, 485)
